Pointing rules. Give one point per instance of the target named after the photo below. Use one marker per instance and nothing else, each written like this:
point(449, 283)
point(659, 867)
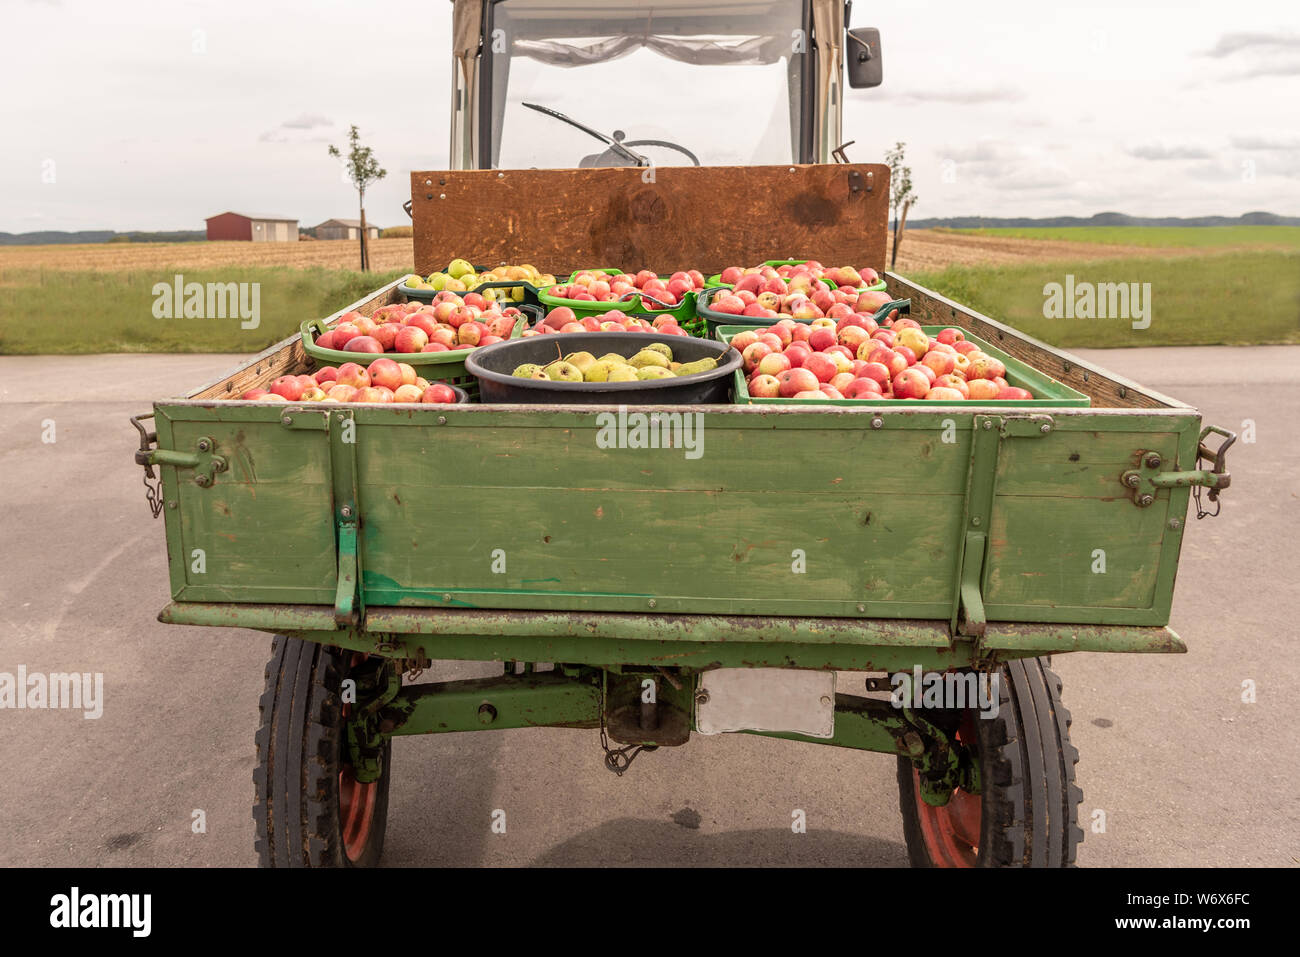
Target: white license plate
point(766, 699)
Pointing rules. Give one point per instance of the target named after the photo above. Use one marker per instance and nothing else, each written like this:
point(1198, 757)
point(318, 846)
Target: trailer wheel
point(1026, 815)
point(310, 809)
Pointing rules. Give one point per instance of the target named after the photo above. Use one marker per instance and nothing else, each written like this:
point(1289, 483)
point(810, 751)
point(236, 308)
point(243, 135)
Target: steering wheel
point(618, 152)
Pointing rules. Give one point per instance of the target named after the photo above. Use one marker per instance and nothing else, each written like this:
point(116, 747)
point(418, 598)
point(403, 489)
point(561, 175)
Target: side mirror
point(862, 58)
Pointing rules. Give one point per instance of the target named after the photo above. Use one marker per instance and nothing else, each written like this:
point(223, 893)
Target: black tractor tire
point(1028, 808)
point(309, 810)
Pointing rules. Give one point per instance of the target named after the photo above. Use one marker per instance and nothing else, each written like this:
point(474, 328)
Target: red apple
point(342, 333)
point(821, 366)
point(1013, 392)
point(411, 339)
point(797, 354)
point(764, 387)
point(438, 393)
point(862, 388)
point(363, 344)
point(794, 381)
point(911, 384)
point(754, 353)
point(939, 394)
point(342, 393)
point(407, 393)
point(386, 373)
point(424, 322)
point(354, 375)
point(386, 334)
point(941, 362)
point(953, 382)
point(288, 388)
point(773, 364)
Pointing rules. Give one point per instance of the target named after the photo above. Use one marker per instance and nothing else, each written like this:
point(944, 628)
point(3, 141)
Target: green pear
point(649, 357)
point(583, 360)
point(600, 370)
point(527, 370)
point(653, 372)
point(699, 365)
point(661, 347)
point(459, 268)
point(437, 280)
point(622, 374)
point(561, 371)
point(613, 357)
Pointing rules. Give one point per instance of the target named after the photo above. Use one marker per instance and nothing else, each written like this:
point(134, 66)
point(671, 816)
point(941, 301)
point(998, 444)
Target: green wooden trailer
point(781, 573)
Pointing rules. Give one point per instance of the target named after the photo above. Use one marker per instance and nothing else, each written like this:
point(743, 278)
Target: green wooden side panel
point(1067, 542)
point(524, 509)
point(530, 517)
point(265, 526)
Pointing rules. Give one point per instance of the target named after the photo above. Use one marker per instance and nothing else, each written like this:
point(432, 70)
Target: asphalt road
point(1185, 772)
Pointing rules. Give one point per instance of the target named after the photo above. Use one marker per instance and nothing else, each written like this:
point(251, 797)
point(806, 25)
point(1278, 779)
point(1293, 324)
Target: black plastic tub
point(492, 366)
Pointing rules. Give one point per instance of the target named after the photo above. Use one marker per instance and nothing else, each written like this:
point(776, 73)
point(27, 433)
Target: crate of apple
point(774, 301)
point(451, 323)
point(384, 380)
point(590, 291)
point(802, 274)
point(562, 319)
point(855, 359)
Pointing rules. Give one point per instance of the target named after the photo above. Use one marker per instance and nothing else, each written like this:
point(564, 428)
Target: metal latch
point(203, 460)
point(1147, 479)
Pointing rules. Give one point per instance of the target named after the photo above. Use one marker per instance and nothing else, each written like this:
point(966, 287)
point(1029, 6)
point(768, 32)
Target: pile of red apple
point(757, 298)
point(384, 380)
point(854, 358)
point(450, 323)
point(804, 275)
point(594, 286)
point(564, 319)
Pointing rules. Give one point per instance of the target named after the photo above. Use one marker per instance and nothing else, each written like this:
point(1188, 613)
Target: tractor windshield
point(681, 82)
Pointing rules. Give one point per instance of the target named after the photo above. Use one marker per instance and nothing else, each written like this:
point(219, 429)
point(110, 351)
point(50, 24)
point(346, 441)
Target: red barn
point(258, 229)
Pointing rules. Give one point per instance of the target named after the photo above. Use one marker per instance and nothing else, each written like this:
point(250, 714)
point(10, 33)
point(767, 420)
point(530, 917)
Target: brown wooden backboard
point(665, 218)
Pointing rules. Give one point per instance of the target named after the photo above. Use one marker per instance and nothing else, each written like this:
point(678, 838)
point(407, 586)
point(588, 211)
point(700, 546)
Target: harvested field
point(922, 249)
point(385, 255)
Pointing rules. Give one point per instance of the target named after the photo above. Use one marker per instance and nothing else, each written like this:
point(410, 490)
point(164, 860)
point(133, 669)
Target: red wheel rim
point(952, 832)
point(357, 802)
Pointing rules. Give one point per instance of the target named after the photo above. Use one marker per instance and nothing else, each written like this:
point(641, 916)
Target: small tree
point(901, 196)
point(363, 169)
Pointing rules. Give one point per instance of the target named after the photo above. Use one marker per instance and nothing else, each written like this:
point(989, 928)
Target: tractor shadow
point(679, 842)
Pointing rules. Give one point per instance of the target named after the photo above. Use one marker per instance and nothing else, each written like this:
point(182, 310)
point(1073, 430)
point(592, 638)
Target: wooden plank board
point(667, 218)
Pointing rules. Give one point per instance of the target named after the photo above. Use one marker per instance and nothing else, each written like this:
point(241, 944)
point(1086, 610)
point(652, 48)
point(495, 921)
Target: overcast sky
point(153, 114)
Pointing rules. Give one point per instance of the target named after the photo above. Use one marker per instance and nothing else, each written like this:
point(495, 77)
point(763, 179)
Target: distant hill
point(1103, 219)
point(57, 237)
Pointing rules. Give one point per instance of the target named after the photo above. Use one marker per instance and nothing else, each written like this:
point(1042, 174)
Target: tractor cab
point(584, 83)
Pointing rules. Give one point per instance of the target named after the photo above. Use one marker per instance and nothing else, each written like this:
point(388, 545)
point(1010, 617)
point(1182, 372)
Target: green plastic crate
point(716, 280)
point(714, 320)
point(427, 295)
point(682, 312)
point(1053, 394)
point(446, 367)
